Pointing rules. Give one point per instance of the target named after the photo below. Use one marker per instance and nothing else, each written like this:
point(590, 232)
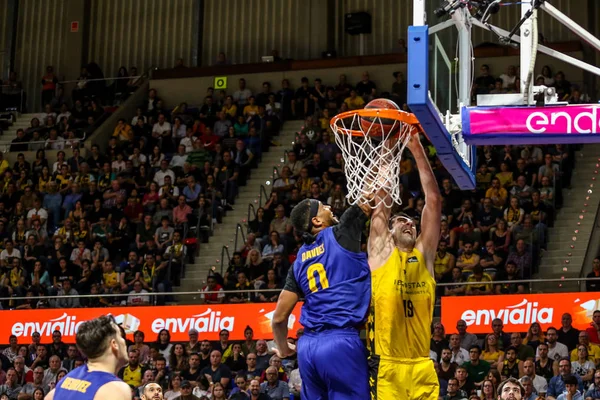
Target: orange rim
point(398, 115)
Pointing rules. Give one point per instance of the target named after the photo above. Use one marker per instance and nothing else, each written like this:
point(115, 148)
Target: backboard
point(440, 75)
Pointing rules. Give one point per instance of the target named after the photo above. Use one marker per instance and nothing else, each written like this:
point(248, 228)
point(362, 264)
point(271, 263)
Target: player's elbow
point(434, 199)
point(279, 319)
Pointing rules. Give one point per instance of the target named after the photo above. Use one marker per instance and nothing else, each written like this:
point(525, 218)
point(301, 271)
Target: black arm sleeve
point(349, 231)
point(291, 285)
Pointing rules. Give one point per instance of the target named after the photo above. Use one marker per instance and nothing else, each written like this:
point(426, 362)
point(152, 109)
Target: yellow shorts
point(403, 379)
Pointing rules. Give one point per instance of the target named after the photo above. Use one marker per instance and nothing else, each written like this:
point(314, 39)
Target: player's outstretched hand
point(414, 142)
point(285, 353)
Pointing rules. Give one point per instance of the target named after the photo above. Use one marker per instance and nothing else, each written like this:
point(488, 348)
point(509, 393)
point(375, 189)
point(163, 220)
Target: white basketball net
point(372, 159)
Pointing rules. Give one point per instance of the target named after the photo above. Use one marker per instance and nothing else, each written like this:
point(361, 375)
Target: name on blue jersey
point(317, 251)
point(77, 385)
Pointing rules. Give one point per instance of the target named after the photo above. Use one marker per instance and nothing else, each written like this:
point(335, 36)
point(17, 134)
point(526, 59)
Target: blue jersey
point(81, 384)
point(335, 283)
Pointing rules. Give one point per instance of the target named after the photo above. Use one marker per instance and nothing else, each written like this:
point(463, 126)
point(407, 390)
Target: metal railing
point(238, 229)
point(260, 196)
point(68, 143)
point(225, 252)
point(251, 212)
point(114, 78)
point(6, 105)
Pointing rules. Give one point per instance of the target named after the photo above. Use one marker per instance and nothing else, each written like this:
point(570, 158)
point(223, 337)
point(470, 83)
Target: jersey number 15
point(311, 272)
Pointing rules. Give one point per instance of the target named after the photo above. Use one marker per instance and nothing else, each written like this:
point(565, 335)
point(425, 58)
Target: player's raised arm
point(427, 241)
point(381, 243)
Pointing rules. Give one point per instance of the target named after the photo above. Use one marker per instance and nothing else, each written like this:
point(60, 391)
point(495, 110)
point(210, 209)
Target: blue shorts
point(333, 366)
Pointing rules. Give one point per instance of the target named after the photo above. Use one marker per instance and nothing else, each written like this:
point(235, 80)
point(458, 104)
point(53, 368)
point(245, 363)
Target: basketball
point(375, 124)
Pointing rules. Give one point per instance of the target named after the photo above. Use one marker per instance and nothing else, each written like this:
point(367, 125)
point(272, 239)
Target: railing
point(251, 212)
point(114, 78)
point(6, 105)
point(238, 229)
point(260, 196)
point(224, 252)
point(68, 143)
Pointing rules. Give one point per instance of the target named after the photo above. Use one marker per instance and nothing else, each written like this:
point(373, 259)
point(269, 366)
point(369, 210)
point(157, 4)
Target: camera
point(449, 7)
point(485, 8)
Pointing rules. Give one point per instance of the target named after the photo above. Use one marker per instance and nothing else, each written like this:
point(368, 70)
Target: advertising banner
point(208, 320)
point(518, 312)
point(513, 125)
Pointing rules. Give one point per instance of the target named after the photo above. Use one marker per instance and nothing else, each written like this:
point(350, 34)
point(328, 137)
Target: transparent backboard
point(443, 77)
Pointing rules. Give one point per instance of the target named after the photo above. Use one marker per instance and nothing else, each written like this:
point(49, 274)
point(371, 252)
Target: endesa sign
point(515, 125)
point(518, 312)
point(208, 320)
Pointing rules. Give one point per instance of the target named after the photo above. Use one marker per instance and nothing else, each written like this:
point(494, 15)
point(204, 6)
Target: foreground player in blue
point(332, 275)
point(103, 342)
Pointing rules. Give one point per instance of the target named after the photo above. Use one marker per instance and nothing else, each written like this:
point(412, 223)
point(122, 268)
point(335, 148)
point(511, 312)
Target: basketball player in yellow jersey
point(403, 286)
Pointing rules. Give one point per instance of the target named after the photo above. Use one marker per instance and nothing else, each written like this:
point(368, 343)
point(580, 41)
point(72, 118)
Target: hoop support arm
point(547, 50)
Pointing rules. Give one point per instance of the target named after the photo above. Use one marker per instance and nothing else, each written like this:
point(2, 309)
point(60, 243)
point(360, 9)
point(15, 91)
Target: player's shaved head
point(152, 391)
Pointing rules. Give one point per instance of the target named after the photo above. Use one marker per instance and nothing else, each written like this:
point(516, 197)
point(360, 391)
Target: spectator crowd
point(196, 369)
point(124, 220)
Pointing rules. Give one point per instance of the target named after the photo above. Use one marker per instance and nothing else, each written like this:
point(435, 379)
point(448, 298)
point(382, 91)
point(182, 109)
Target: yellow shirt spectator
point(250, 110)
point(593, 353)
point(230, 110)
point(3, 164)
point(498, 195)
point(354, 102)
point(485, 286)
point(466, 261)
point(111, 279)
point(123, 131)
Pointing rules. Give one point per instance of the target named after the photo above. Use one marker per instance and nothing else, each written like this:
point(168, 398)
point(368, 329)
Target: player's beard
point(403, 239)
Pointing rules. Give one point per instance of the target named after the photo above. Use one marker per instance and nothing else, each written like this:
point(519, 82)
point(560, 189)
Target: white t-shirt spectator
point(62, 115)
point(461, 357)
point(188, 142)
point(56, 166)
point(241, 96)
point(274, 109)
point(556, 353)
point(134, 120)
point(5, 256)
point(43, 214)
point(158, 128)
point(179, 132)
point(81, 255)
point(136, 299)
point(159, 176)
point(178, 160)
point(139, 160)
point(508, 81)
point(57, 144)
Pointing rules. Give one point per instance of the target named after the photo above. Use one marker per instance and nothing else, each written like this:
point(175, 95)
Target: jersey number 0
point(312, 280)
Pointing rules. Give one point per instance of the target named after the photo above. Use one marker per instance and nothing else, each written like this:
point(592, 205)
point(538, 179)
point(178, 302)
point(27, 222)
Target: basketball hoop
point(372, 141)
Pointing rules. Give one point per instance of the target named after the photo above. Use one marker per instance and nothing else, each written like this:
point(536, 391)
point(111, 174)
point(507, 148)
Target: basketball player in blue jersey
point(332, 275)
point(103, 342)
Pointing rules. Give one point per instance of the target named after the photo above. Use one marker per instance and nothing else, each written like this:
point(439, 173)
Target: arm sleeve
point(349, 231)
point(291, 285)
